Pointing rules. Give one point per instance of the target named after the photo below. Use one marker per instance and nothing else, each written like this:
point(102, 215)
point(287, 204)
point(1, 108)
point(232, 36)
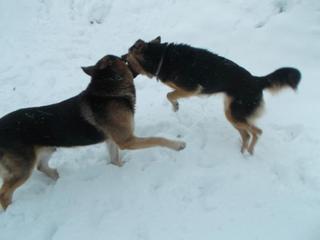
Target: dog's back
point(211, 71)
point(60, 124)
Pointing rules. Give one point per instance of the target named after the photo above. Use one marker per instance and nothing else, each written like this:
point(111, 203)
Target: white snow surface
point(207, 191)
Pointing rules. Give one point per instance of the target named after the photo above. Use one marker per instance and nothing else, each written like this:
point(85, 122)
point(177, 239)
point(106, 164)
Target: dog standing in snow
point(193, 71)
point(103, 112)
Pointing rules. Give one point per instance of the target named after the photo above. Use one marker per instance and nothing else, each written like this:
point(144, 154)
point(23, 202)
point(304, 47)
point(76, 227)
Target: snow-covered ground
point(209, 190)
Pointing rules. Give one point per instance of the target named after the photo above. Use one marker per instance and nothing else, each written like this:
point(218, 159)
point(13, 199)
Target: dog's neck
point(161, 61)
point(111, 88)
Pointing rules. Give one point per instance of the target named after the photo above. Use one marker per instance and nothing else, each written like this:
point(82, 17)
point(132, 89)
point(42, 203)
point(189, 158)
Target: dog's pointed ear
point(104, 63)
point(139, 44)
point(156, 40)
point(89, 70)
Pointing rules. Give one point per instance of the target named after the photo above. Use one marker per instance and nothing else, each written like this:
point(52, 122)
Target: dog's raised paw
point(179, 145)
point(175, 107)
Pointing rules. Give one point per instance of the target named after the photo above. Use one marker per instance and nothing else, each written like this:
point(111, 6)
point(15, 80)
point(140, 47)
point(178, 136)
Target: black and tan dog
point(192, 71)
point(103, 112)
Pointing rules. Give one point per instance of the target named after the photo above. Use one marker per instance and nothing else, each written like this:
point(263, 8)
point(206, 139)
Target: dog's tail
point(281, 78)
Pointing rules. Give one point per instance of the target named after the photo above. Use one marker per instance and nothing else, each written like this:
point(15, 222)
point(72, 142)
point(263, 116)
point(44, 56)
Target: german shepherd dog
point(193, 71)
point(102, 112)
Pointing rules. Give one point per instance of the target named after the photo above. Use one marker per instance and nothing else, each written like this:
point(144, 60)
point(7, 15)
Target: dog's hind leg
point(245, 136)
point(235, 113)
point(114, 153)
point(8, 188)
point(255, 131)
point(17, 168)
point(43, 156)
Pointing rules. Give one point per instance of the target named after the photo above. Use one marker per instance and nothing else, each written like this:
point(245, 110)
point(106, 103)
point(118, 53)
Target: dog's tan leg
point(255, 131)
point(16, 170)
point(172, 97)
point(177, 94)
point(120, 128)
point(244, 127)
point(245, 139)
point(137, 143)
point(242, 130)
point(8, 188)
point(43, 157)
point(114, 153)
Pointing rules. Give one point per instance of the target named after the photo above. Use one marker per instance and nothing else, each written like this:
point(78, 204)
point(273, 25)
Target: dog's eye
point(117, 78)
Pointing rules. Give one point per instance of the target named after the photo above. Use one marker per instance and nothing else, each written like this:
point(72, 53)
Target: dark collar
point(161, 61)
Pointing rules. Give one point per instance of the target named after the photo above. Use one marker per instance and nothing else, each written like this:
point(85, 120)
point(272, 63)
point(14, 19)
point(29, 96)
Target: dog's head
point(110, 76)
point(144, 57)
point(109, 68)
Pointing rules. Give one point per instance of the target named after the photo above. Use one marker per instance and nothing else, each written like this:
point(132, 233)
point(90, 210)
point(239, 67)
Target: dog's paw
point(175, 107)
point(251, 151)
point(53, 174)
point(118, 163)
point(179, 145)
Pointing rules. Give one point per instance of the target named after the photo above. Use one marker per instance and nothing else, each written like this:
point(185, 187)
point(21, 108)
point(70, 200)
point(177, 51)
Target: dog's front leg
point(180, 93)
point(172, 97)
point(137, 143)
point(114, 153)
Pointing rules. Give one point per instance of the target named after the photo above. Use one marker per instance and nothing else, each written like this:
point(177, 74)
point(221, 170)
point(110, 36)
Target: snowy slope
point(209, 190)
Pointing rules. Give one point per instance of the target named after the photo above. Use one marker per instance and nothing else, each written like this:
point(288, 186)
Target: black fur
point(61, 124)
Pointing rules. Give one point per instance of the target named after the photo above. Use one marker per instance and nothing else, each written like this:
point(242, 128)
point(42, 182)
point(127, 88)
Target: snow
point(209, 190)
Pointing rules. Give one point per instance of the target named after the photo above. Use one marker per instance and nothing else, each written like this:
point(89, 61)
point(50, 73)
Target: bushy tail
point(283, 77)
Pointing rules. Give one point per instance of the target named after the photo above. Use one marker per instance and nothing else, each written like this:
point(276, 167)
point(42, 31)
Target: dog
point(104, 111)
point(193, 71)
